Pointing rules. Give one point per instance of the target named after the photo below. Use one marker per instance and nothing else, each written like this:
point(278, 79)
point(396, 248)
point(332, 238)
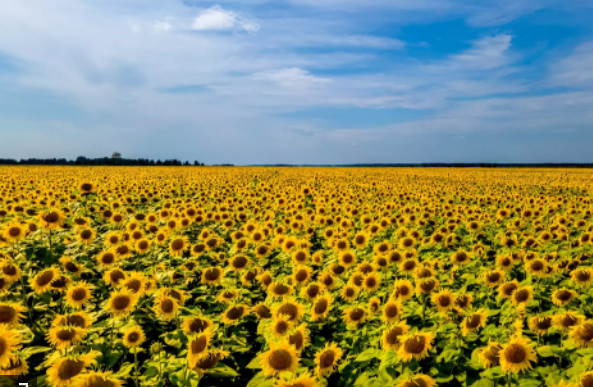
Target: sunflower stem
point(136, 367)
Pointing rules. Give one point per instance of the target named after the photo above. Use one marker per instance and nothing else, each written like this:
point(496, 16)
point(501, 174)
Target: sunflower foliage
point(308, 277)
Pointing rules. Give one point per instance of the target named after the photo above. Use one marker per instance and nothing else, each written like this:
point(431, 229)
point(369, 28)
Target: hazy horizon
point(298, 81)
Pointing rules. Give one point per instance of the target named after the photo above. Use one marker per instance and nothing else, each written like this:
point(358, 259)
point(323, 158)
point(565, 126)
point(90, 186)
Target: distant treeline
point(99, 161)
point(442, 165)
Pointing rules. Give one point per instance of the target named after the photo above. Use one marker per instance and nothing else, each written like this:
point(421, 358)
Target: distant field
point(253, 276)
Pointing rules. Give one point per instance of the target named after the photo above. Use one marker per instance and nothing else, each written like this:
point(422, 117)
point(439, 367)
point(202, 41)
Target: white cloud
point(218, 19)
point(487, 53)
point(291, 77)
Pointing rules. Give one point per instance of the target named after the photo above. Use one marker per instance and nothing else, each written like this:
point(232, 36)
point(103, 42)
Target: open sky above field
point(298, 81)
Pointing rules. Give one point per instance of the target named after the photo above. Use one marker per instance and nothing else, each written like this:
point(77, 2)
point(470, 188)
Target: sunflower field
point(296, 277)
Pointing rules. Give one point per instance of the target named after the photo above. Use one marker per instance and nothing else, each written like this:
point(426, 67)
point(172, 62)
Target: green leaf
point(368, 354)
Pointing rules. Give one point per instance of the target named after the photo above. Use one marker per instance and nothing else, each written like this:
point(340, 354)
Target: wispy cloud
point(218, 19)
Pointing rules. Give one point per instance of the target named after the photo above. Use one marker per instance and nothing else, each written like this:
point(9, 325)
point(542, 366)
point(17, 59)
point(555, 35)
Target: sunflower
point(474, 321)
point(227, 295)
point(418, 380)
point(43, 280)
point(327, 358)
point(280, 326)
point(415, 346)
point(265, 279)
point(86, 187)
point(460, 258)
point(540, 325)
point(86, 236)
point(17, 366)
point(392, 311)
point(582, 276)
point(505, 262)
point(71, 266)
point(248, 277)
point(193, 325)
point(355, 316)
point(77, 319)
point(327, 280)
point(403, 290)
point(209, 361)
point(582, 334)
point(51, 219)
point(262, 311)
point(371, 282)
point(360, 240)
point(374, 305)
point(444, 301)
point(406, 243)
point(239, 262)
point(107, 258)
point(212, 275)
point(67, 371)
point(11, 313)
point(178, 246)
point(124, 250)
point(10, 271)
point(113, 277)
point(303, 380)
point(60, 284)
point(301, 274)
point(516, 356)
point(427, 286)
point(143, 245)
point(536, 267)
point(165, 307)
point(279, 290)
point(321, 307)
point(290, 308)
point(490, 355)
point(14, 232)
point(234, 313)
point(198, 346)
point(493, 278)
point(349, 293)
point(299, 337)
point(563, 296)
point(279, 358)
point(79, 294)
point(9, 345)
point(522, 295)
point(134, 282)
point(98, 379)
point(121, 302)
point(408, 265)
point(507, 289)
point(392, 335)
point(133, 337)
point(567, 320)
point(63, 337)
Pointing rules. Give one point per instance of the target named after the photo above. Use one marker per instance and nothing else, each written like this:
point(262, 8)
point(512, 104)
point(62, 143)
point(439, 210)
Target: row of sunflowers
point(296, 277)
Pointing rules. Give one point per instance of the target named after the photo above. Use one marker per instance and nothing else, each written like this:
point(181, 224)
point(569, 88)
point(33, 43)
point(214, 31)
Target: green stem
point(136, 367)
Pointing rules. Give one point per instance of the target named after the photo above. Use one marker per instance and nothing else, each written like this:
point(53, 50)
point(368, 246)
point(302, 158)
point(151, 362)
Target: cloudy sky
point(298, 81)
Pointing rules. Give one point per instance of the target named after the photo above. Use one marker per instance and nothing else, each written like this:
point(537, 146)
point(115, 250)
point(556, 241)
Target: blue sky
point(298, 81)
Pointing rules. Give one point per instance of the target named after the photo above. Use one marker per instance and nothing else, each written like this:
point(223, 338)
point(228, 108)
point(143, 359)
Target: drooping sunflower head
point(16, 366)
point(98, 379)
point(198, 346)
point(290, 308)
point(209, 361)
point(392, 335)
point(194, 325)
point(418, 380)
point(321, 307)
point(67, 370)
point(355, 316)
point(540, 325)
point(235, 313)
point(327, 358)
